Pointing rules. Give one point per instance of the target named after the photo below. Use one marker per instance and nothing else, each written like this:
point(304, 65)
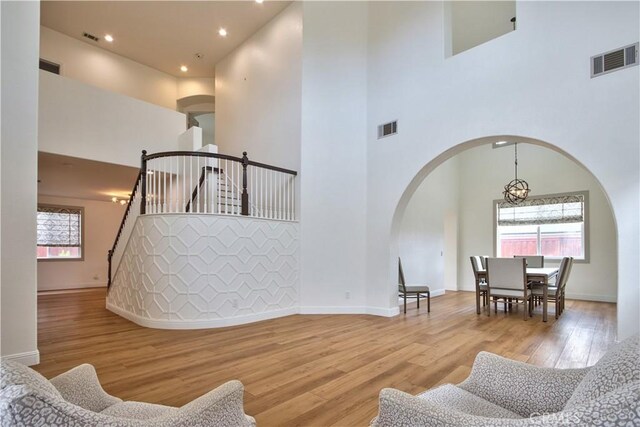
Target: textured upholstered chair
point(502, 392)
point(412, 291)
point(76, 398)
point(533, 261)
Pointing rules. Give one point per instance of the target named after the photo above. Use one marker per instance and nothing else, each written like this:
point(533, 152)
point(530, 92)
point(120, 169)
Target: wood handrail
point(122, 223)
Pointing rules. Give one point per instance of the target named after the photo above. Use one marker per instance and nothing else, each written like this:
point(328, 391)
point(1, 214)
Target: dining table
point(539, 275)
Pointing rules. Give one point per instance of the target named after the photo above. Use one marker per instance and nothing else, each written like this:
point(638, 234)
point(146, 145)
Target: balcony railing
point(194, 182)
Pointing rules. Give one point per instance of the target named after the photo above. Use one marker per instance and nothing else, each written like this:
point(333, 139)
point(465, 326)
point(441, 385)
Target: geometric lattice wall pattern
point(202, 271)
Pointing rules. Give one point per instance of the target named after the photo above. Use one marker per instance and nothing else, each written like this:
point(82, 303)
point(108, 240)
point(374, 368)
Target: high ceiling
point(163, 34)
point(64, 176)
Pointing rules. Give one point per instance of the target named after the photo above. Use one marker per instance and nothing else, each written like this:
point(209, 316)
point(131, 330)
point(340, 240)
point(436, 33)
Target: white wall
point(477, 22)
point(547, 172)
point(79, 120)
point(101, 222)
point(258, 94)
point(19, 157)
point(99, 67)
point(195, 86)
point(333, 194)
point(537, 84)
point(427, 244)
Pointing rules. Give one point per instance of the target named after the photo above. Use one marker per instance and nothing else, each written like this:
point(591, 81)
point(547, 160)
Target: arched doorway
point(483, 170)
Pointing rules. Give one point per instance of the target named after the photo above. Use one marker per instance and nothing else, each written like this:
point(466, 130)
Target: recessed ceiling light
point(222, 32)
point(501, 142)
point(260, 1)
point(184, 68)
point(108, 38)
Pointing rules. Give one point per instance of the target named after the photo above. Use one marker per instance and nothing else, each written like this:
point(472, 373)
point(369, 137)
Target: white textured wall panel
point(200, 271)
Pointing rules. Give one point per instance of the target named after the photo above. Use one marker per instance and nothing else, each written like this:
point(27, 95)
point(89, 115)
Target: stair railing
point(194, 182)
point(125, 225)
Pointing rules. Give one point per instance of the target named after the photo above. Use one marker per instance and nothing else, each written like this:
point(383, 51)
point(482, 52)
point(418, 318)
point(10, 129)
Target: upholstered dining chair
point(507, 280)
point(533, 261)
point(555, 293)
point(477, 264)
point(412, 291)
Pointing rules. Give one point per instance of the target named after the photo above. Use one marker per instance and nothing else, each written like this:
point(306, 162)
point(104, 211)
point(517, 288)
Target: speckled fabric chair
point(502, 392)
point(76, 398)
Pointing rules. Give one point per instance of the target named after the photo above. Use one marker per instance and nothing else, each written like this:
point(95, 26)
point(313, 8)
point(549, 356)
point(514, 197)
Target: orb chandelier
point(517, 190)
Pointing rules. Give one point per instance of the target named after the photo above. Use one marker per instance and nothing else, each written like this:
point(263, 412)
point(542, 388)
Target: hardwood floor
point(311, 370)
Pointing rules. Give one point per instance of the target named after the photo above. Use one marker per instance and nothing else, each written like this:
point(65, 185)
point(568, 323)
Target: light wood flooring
point(310, 370)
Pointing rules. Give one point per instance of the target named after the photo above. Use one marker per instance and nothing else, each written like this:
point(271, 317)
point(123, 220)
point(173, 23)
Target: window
point(554, 226)
point(60, 232)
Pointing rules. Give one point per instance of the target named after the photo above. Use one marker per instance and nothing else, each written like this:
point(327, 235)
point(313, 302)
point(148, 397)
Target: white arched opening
point(601, 225)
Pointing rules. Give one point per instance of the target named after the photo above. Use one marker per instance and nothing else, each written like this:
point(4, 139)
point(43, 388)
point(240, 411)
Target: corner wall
point(428, 238)
point(19, 158)
point(333, 168)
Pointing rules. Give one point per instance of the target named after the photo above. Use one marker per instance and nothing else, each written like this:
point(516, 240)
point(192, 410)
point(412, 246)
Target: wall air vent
point(614, 60)
point(49, 66)
point(91, 37)
point(388, 129)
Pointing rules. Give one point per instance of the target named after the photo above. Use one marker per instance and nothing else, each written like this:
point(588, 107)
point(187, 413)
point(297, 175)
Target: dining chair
point(477, 264)
point(507, 280)
point(533, 261)
point(412, 291)
point(555, 294)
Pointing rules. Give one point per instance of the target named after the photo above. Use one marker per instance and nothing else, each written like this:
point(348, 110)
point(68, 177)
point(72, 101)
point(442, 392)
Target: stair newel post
point(143, 182)
point(245, 194)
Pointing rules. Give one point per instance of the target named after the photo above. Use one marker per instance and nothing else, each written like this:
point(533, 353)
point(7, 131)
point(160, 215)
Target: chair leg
point(418, 298)
point(525, 311)
point(405, 303)
point(429, 302)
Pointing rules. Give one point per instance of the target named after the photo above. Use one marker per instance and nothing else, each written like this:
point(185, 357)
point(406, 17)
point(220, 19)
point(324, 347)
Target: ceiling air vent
point(90, 37)
point(614, 60)
point(388, 129)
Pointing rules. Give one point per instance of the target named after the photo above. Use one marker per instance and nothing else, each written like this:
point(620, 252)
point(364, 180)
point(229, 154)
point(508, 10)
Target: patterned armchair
point(76, 398)
point(502, 392)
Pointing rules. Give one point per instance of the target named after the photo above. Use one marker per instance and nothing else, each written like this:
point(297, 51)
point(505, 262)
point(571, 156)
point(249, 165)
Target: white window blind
point(543, 210)
point(59, 226)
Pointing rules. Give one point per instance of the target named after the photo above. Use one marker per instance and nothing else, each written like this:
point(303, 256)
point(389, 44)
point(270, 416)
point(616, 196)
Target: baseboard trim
point(383, 311)
point(200, 324)
point(337, 309)
point(28, 358)
point(589, 297)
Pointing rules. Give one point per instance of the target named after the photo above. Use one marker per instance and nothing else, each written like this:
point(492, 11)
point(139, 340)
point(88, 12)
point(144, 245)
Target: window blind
point(543, 210)
point(59, 226)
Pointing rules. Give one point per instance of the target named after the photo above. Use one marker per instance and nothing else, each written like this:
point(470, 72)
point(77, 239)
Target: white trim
point(375, 311)
point(329, 309)
point(383, 311)
point(28, 358)
point(589, 297)
point(201, 324)
point(77, 286)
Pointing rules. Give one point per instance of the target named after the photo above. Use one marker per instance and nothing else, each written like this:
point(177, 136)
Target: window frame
point(82, 226)
point(586, 228)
